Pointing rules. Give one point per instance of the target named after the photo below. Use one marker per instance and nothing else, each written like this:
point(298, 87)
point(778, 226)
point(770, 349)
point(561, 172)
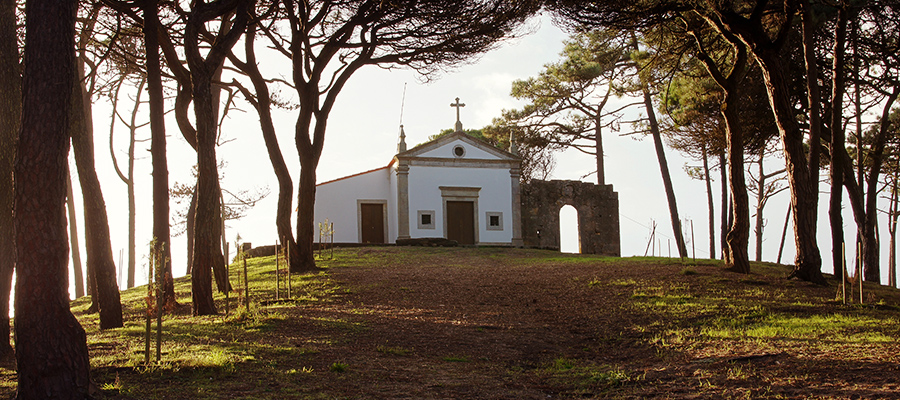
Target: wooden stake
point(149, 296)
point(246, 287)
point(277, 270)
point(844, 275)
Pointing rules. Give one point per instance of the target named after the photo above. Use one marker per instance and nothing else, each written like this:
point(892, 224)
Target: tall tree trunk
point(598, 139)
point(207, 228)
point(724, 225)
point(10, 114)
point(804, 192)
point(158, 149)
point(892, 230)
point(305, 213)
point(664, 170)
point(802, 171)
point(73, 238)
point(207, 254)
point(189, 230)
point(871, 270)
point(96, 224)
point(709, 203)
point(263, 104)
point(51, 349)
point(837, 145)
point(738, 237)
point(760, 203)
point(127, 177)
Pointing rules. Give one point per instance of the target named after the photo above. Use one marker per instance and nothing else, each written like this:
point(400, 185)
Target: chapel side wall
point(598, 215)
point(338, 202)
point(494, 196)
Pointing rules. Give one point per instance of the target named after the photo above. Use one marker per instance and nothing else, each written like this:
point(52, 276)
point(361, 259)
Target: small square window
point(494, 221)
point(425, 219)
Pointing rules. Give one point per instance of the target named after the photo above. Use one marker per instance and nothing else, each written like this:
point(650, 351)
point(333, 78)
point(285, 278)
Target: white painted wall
point(337, 201)
point(495, 196)
point(446, 151)
point(393, 228)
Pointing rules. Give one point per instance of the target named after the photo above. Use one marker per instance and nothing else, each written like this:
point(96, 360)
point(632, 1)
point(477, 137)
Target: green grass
point(278, 349)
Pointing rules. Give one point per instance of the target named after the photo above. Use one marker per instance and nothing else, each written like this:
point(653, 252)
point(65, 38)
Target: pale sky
point(362, 135)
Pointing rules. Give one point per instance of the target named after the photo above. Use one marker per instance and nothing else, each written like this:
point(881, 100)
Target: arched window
point(569, 241)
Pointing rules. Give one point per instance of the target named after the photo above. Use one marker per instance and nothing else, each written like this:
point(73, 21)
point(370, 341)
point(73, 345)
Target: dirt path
point(455, 326)
point(496, 325)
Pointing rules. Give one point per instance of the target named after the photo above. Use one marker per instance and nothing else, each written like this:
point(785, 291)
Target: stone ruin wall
point(598, 215)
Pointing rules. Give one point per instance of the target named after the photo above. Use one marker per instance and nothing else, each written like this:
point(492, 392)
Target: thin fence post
point(149, 298)
point(693, 245)
point(287, 252)
point(246, 287)
point(159, 306)
point(277, 270)
point(859, 271)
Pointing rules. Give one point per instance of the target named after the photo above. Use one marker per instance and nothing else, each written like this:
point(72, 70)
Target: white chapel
point(455, 187)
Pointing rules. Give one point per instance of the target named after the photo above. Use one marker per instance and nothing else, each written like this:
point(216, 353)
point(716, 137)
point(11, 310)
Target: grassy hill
point(394, 322)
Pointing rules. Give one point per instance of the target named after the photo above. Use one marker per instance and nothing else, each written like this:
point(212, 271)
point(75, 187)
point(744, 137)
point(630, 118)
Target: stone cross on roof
point(458, 105)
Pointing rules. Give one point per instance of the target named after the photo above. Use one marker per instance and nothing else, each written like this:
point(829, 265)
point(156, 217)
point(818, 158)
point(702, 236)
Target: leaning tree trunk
point(666, 177)
point(96, 223)
point(804, 192)
point(263, 104)
point(10, 113)
point(161, 232)
point(871, 270)
point(51, 349)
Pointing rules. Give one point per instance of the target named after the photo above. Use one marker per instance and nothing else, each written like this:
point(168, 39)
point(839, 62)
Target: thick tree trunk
point(96, 223)
point(158, 149)
point(207, 227)
point(709, 204)
point(305, 215)
point(804, 193)
point(73, 238)
point(51, 349)
point(10, 115)
point(739, 235)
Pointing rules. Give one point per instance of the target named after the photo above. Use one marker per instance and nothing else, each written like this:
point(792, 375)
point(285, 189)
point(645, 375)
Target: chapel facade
point(454, 187)
point(460, 188)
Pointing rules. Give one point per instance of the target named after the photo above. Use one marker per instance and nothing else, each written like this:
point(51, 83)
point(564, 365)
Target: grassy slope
point(696, 311)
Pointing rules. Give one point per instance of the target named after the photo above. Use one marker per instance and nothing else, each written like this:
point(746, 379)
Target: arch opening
point(569, 240)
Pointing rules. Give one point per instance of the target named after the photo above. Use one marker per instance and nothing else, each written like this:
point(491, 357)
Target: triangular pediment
point(458, 145)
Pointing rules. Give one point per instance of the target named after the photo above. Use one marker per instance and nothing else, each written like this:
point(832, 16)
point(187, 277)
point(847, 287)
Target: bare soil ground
point(413, 323)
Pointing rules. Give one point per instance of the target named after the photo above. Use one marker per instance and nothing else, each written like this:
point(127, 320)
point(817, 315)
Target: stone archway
point(598, 215)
